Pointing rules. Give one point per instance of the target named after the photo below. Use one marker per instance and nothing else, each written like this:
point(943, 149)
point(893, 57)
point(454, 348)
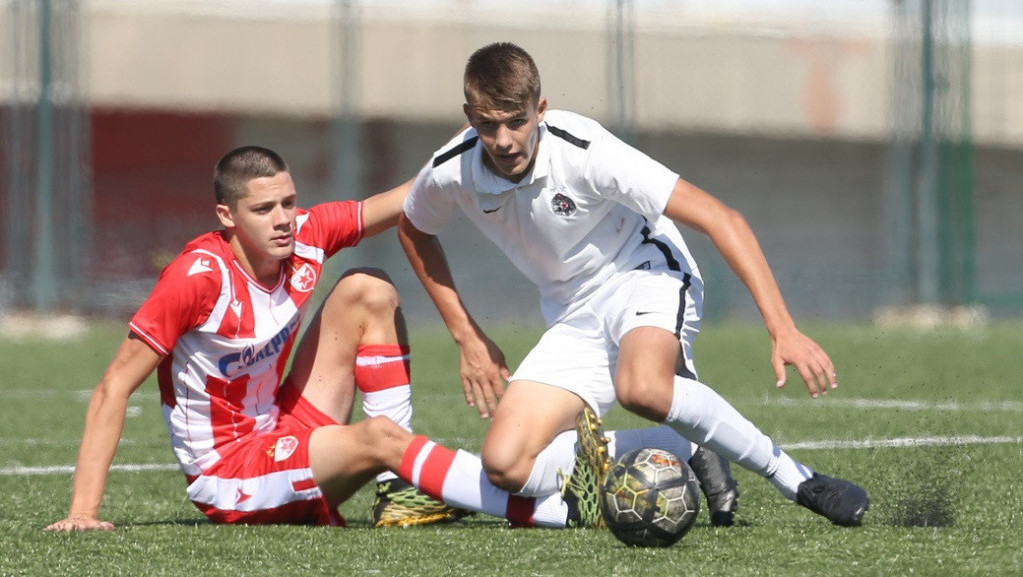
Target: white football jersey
point(227, 338)
point(591, 207)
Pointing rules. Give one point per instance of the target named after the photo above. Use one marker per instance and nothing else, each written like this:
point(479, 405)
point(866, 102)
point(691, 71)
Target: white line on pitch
point(80, 394)
point(952, 406)
point(904, 442)
point(68, 469)
point(804, 445)
point(850, 403)
point(162, 442)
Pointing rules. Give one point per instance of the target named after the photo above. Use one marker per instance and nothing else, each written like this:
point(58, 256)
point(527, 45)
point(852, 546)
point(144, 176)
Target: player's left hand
point(809, 359)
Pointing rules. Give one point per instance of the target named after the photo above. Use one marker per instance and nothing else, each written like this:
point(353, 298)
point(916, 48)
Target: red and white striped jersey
point(227, 338)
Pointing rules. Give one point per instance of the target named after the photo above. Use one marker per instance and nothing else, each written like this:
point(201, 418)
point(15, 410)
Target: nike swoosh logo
point(491, 211)
point(641, 313)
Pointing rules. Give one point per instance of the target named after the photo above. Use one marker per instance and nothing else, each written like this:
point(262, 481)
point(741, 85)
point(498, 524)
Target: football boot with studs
point(841, 502)
point(721, 490)
point(581, 489)
point(399, 504)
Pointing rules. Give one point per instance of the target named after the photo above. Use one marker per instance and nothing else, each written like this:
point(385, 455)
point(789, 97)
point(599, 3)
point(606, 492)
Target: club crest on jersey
point(562, 205)
point(285, 447)
point(303, 279)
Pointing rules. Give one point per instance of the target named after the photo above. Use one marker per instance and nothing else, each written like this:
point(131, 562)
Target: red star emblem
point(303, 279)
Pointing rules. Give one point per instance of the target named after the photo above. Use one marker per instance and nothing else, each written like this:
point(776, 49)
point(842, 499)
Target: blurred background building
point(876, 146)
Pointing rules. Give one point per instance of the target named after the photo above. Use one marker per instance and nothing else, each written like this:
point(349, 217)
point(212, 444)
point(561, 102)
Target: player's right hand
point(79, 524)
point(811, 362)
point(484, 374)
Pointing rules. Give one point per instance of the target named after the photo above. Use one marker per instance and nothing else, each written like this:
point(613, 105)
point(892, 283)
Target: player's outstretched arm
point(380, 211)
point(734, 239)
point(104, 421)
point(482, 365)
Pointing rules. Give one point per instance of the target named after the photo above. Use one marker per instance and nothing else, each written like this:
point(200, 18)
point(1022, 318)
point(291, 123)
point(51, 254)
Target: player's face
point(263, 222)
point(510, 138)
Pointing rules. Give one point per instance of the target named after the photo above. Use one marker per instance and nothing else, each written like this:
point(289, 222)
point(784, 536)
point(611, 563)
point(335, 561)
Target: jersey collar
point(487, 182)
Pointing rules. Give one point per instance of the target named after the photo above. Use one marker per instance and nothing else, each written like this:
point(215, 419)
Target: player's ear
point(541, 107)
point(225, 216)
point(467, 110)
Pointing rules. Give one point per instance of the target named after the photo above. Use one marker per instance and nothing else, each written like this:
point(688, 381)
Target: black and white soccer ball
point(650, 498)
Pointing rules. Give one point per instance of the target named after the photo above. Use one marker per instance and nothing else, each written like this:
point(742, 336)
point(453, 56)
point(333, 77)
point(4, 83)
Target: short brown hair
point(234, 171)
point(501, 76)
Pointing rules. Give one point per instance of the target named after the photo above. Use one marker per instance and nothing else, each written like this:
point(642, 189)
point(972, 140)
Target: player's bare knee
point(370, 288)
point(366, 279)
point(383, 428)
point(504, 469)
point(387, 437)
point(507, 479)
point(646, 398)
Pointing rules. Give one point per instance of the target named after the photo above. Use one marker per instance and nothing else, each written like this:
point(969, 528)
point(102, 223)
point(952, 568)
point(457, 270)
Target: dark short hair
point(234, 171)
point(501, 76)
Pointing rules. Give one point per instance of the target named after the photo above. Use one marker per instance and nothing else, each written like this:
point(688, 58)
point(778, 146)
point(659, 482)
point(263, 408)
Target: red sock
point(425, 465)
point(380, 367)
point(520, 510)
point(382, 373)
point(456, 478)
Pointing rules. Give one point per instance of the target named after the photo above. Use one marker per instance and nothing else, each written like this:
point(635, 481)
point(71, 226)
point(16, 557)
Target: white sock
point(787, 473)
point(700, 414)
point(560, 454)
point(663, 437)
point(383, 374)
point(550, 511)
point(394, 403)
point(457, 478)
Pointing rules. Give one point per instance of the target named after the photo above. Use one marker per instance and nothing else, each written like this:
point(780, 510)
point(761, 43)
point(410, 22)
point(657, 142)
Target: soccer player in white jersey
point(256, 447)
point(592, 222)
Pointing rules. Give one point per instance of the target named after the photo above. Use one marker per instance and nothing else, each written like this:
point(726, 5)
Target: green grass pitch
point(928, 420)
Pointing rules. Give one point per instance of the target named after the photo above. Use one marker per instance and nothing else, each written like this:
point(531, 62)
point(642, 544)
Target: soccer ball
point(650, 498)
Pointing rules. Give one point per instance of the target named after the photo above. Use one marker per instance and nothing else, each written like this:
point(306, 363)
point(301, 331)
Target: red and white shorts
point(267, 479)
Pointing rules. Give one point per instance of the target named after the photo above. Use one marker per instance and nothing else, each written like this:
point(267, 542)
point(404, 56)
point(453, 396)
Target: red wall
point(152, 174)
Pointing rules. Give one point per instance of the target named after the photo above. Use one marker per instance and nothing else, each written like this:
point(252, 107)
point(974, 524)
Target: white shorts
point(579, 353)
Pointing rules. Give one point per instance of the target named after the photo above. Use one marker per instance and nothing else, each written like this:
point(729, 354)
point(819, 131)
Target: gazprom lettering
point(234, 363)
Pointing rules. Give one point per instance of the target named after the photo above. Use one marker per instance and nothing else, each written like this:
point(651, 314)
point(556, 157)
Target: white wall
point(825, 73)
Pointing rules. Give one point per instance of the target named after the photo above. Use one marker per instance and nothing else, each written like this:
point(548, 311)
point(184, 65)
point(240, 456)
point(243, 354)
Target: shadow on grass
point(930, 508)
